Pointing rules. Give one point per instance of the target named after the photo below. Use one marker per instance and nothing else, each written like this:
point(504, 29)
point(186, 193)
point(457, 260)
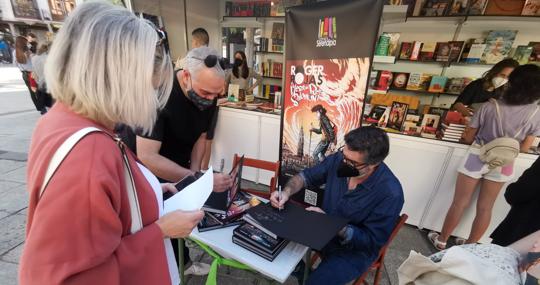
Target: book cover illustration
point(414, 82)
point(393, 44)
point(430, 121)
point(278, 33)
point(522, 54)
point(428, 51)
point(398, 111)
point(434, 8)
point(384, 118)
point(411, 128)
point(504, 7)
point(498, 45)
point(458, 8)
point(442, 52)
point(375, 114)
point(406, 50)
point(477, 7)
point(233, 93)
point(531, 8)
point(535, 54)
point(456, 85)
point(384, 79)
point(438, 83)
point(382, 45)
point(456, 47)
point(415, 54)
point(476, 53)
point(400, 80)
point(323, 102)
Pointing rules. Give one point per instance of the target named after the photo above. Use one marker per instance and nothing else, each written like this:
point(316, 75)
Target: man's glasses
point(349, 161)
point(212, 60)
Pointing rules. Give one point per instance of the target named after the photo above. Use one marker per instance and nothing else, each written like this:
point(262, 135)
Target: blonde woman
point(97, 219)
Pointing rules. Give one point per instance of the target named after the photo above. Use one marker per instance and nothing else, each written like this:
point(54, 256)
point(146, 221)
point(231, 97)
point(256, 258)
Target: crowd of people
point(110, 72)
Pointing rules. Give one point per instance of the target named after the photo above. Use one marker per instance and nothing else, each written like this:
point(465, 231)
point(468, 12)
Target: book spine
point(334, 28)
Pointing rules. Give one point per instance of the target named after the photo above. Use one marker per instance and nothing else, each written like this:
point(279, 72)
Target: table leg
point(181, 259)
point(308, 266)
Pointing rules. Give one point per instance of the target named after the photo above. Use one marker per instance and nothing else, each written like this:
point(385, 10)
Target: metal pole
point(185, 26)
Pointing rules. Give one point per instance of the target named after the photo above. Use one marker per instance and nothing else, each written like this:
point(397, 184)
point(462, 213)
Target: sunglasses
point(212, 60)
point(161, 37)
point(349, 161)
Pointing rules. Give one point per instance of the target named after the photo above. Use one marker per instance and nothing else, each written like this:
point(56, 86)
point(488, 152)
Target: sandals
point(460, 241)
point(434, 239)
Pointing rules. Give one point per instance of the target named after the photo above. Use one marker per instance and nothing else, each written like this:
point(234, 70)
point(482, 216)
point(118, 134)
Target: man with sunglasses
point(176, 145)
point(360, 187)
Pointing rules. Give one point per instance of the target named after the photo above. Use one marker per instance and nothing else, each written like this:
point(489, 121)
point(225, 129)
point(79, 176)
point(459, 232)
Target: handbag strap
point(66, 147)
point(499, 118)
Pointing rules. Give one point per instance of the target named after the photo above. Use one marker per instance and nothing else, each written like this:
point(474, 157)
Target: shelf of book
point(272, 77)
point(472, 18)
point(372, 91)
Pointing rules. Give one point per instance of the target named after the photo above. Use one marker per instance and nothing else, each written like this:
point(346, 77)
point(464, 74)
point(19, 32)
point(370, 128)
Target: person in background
point(5, 50)
point(242, 75)
point(106, 66)
point(32, 43)
point(38, 62)
point(199, 38)
point(360, 188)
point(524, 199)
point(175, 147)
point(23, 60)
point(491, 85)
point(520, 119)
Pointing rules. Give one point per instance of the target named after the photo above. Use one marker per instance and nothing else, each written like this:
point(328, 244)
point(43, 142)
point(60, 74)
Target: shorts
point(212, 128)
point(473, 167)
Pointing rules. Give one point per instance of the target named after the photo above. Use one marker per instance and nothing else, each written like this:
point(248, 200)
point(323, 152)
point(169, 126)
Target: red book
point(326, 27)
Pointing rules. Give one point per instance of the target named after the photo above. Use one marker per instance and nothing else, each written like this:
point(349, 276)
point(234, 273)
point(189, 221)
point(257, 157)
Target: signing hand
point(168, 187)
point(315, 209)
point(222, 182)
point(179, 224)
point(279, 202)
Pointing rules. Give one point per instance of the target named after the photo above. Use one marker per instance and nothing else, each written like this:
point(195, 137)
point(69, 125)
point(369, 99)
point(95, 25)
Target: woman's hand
point(169, 187)
point(179, 224)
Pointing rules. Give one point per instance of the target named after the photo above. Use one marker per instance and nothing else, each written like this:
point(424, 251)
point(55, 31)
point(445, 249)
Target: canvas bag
point(503, 150)
point(67, 146)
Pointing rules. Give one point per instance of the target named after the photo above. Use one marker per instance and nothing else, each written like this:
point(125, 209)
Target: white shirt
point(156, 186)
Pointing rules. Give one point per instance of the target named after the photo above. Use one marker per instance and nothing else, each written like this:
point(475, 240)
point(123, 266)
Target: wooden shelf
point(372, 91)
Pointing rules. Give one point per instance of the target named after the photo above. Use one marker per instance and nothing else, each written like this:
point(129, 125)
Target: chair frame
point(379, 262)
point(264, 165)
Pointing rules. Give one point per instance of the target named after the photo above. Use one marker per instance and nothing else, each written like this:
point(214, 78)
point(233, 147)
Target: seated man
point(360, 188)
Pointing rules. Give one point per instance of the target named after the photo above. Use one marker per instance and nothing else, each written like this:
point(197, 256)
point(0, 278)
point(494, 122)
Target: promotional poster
point(329, 47)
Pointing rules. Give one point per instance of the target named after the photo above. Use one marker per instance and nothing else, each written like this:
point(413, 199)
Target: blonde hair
point(103, 63)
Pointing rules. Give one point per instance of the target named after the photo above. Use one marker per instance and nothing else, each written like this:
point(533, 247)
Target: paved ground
point(17, 120)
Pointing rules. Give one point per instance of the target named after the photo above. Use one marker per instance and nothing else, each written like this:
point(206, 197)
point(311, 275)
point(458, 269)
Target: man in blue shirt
point(361, 188)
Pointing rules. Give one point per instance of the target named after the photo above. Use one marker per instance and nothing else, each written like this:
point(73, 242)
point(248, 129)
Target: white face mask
point(498, 81)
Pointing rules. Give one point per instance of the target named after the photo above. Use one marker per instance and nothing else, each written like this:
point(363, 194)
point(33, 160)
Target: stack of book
point(452, 132)
point(262, 243)
point(269, 91)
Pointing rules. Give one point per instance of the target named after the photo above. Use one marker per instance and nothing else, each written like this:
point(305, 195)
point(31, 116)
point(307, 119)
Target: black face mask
point(198, 101)
point(347, 170)
point(238, 62)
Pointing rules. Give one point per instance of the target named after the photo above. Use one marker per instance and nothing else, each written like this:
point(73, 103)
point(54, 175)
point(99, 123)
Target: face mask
point(346, 170)
point(200, 102)
point(238, 62)
point(498, 81)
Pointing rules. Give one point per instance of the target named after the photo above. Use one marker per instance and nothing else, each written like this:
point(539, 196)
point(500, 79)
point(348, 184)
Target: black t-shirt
point(475, 93)
point(179, 126)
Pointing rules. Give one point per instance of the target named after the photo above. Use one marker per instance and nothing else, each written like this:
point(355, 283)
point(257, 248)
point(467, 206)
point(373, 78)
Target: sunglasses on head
point(161, 37)
point(212, 60)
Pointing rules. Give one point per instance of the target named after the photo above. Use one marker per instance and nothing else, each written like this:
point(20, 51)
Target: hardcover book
point(411, 128)
point(398, 111)
point(535, 54)
point(294, 223)
point(375, 114)
point(475, 53)
point(418, 81)
point(222, 202)
point(456, 85)
point(531, 8)
point(522, 54)
point(393, 44)
point(256, 241)
point(384, 118)
point(435, 8)
point(456, 47)
point(382, 45)
point(478, 7)
point(428, 51)
point(384, 80)
point(406, 50)
point(430, 121)
point(442, 52)
point(498, 46)
point(438, 83)
point(458, 8)
point(415, 54)
point(400, 80)
point(504, 7)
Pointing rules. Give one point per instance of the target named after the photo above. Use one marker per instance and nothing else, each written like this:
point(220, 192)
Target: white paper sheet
point(194, 196)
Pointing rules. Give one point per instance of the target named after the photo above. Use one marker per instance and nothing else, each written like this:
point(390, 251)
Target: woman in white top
point(242, 75)
point(23, 60)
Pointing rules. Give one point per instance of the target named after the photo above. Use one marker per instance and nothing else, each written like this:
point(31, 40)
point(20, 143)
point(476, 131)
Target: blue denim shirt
point(372, 208)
